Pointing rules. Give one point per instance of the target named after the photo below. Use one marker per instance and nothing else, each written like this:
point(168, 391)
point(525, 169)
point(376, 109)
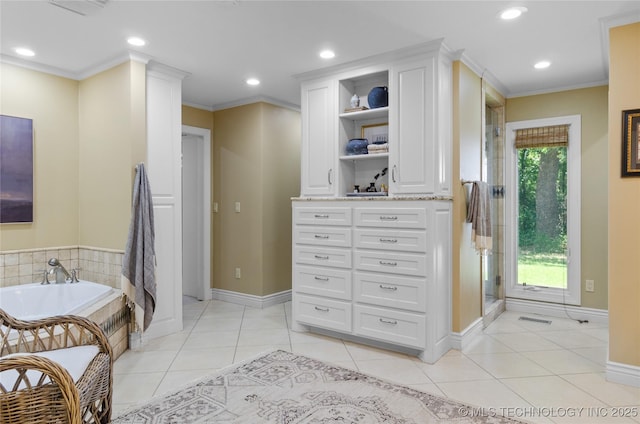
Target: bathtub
point(35, 301)
point(100, 303)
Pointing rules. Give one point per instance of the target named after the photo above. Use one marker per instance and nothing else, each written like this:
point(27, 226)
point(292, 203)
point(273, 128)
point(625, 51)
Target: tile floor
point(519, 368)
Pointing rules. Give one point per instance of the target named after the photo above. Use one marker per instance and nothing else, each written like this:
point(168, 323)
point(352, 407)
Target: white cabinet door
point(412, 152)
point(318, 138)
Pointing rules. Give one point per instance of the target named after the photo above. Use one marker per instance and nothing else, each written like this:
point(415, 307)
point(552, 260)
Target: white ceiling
point(221, 43)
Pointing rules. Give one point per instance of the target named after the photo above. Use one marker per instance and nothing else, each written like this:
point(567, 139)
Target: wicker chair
point(36, 389)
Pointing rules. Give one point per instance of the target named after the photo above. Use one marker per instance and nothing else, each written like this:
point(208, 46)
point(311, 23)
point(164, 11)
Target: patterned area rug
point(285, 388)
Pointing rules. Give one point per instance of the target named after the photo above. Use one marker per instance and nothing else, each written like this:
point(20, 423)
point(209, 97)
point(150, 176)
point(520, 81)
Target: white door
point(542, 266)
point(196, 212)
point(192, 257)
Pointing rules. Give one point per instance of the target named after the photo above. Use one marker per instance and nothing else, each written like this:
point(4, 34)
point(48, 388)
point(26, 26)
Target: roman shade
point(552, 136)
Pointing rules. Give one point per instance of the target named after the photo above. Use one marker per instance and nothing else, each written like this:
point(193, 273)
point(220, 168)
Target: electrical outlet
point(215, 207)
point(237, 207)
point(238, 273)
point(589, 286)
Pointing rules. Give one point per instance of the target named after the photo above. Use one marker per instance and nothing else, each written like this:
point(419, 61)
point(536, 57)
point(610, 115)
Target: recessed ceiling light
point(23, 51)
point(327, 54)
point(542, 64)
point(512, 13)
point(136, 41)
point(253, 81)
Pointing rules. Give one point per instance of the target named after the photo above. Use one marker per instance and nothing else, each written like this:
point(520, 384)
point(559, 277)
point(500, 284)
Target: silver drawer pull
point(321, 215)
point(321, 278)
point(388, 218)
point(387, 263)
point(321, 236)
point(386, 240)
point(393, 288)
point(321, 309)
point(322, 257)
point(384, 321)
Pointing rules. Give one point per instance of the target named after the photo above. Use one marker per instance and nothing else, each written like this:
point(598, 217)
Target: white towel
point(378, 148)
point(139, 261)
point(479, 215)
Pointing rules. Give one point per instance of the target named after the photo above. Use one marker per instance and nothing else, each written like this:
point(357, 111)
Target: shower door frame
point(493, 100)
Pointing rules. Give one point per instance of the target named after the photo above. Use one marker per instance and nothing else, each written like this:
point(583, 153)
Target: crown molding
point(35, 66)
point(198, 106)
point(482, 72)
point(255, 99)
point(161, 68)
point(115, 61)
point(78, 76)
point(560, 89)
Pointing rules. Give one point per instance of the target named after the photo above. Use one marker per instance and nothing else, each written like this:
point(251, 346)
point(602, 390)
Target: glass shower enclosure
point(492, 168)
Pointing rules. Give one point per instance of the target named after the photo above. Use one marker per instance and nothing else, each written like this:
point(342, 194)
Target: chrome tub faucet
point(61, 274)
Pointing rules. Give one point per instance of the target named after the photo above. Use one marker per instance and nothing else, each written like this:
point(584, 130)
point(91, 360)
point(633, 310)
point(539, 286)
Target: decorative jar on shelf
point(378, 97)
point(357, 146)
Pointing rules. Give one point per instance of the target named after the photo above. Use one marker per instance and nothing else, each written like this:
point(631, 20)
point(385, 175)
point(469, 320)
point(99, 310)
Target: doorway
point(196, 213)
point(543, 171)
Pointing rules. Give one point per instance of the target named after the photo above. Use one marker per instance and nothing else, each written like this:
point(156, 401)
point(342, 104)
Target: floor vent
point(541, 321)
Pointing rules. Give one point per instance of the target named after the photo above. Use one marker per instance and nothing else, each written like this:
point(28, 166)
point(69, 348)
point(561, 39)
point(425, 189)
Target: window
point(543, 210)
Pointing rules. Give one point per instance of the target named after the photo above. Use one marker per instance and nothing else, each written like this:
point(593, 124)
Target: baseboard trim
point(558, 310)
point(623, 374)
point(461, 340)
point(251, 300)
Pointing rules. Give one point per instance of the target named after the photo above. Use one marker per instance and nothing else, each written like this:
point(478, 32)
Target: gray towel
point(139, 261)
point(479, 215)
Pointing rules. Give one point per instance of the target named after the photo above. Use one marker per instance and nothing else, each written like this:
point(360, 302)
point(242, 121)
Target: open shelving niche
point(360, 169)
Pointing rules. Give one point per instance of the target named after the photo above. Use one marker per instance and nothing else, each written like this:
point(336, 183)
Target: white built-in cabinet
point(377, 268)
point(418, 119)
point(374, 269)
point(163, 165)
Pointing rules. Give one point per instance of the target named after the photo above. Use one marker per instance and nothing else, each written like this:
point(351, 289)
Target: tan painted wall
point(281, 181)
point(88, 137)
point(112, 141)
point(237, 170)
point(591, 104)
point(624, 202)
point(256, 162)
point(467, 141)
point(195, 117)
point(52, 103)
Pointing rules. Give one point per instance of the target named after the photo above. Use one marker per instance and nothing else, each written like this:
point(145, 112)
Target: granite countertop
point(369, 198)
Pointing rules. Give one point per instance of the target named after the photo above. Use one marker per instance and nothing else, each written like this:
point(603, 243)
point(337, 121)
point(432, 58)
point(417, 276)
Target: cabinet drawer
point(322, 216)
point(326, 313)
point(391, 217)
point(405, 240)
point(323, 256)
point(390, 326)
point(390, 291)
point(323, 236)
point(395, 263)
point(322, 281)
